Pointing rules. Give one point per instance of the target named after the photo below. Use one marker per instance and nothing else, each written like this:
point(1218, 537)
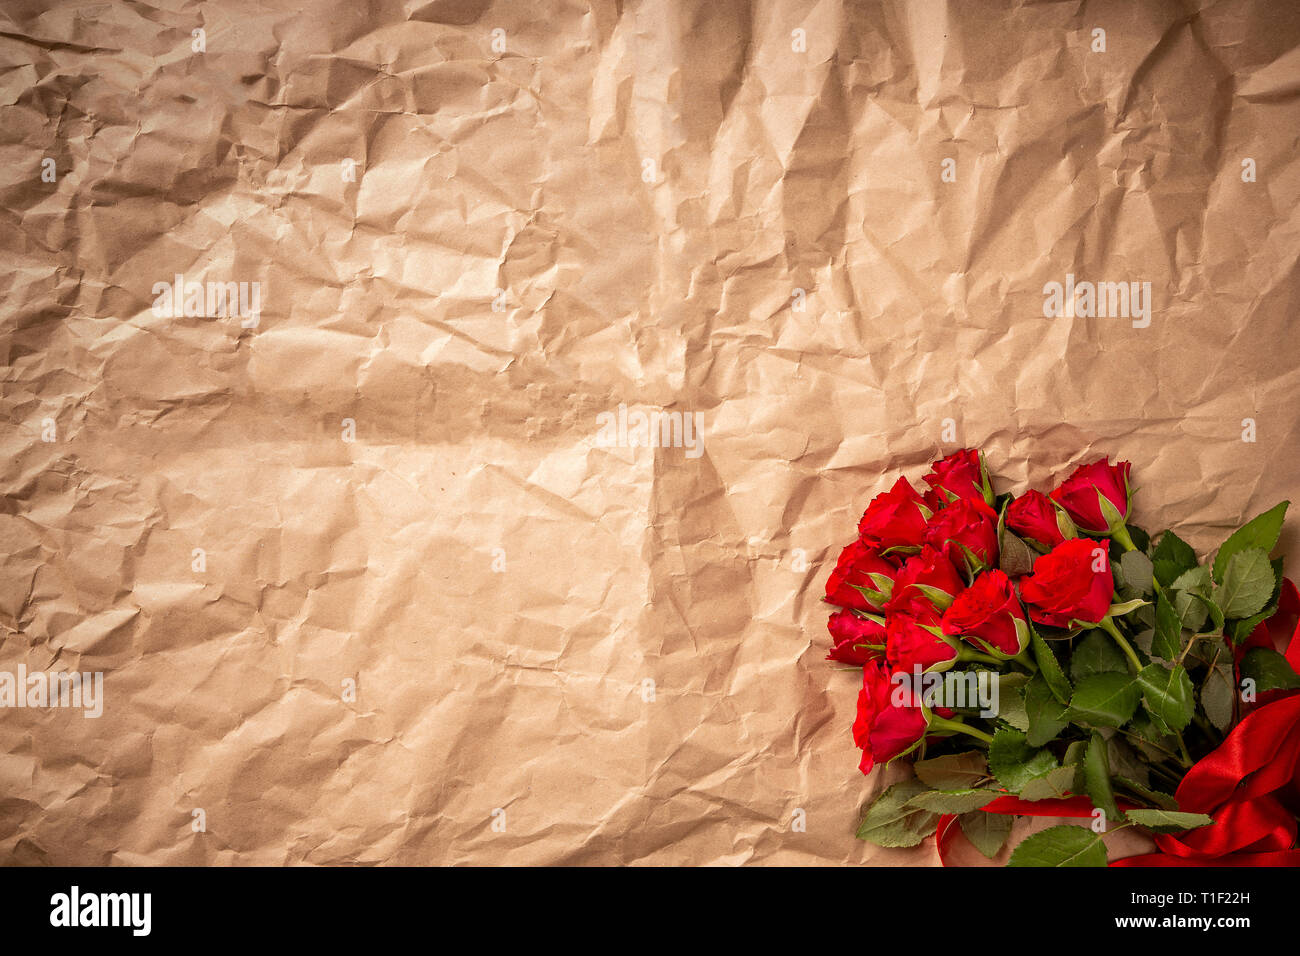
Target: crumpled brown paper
point(566, 649)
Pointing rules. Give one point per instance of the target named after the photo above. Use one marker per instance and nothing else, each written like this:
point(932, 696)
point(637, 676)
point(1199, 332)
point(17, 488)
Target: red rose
point(895, 518)
point(961, 476)
point(856, 564)
point(1070, 582)
point(911, 641)
point(987, 612)
point(1081, 495)
point(850, 633)
point(929, 576)
point(1033, 516)
point(882, 729)
point(970, 524)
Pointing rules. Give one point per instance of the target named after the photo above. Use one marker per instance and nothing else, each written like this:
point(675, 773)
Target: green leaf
point(1051, 786)
point(1096, 775)
point(1260, 532)
point(1166, 572)
point(890, 821)
point(1195, 579)
point(1247, 584)
point(1125, 762)
point(953, 771)
point(1169, 820)
point(1216, 615)
point(1014, 762)
point(1191, 610)
point(1168, 639)
point(883, 582)
point(1045, 715)
point(1061, 846)
point(1218, 691)
point(1096, 653)
point(1065, 524)
point(1014, 556)
point(875, 599)
point(1104, 700)
point(1049, 667)
point(1213, 611)
point(987, 831)
point(954, 801)
point(940, 599)
point(1074, 757)
point(1011, 701)
point(1186, 591)
point(1168, 694)
point(1141, 540)
point(1151, 737)
point(1241, 629)
point(1114, 519)
point(1269, 670)
point(1137, 570)
point(1119, 610)
point(1162, 800)
point(1171, 558)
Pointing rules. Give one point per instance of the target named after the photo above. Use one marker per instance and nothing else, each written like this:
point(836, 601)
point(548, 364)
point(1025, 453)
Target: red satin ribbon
point(1064, 807)
point(943, 834)
point(1237, 784)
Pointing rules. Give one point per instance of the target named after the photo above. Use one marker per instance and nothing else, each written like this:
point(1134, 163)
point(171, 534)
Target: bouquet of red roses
point(1041, 655)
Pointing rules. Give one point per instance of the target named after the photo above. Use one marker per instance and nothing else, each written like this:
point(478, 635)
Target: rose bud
point(1072, 582)
point(883, 729)
point(1096, 496)
point(960, 475)
point(1034, 517)
point(860, 566)
point(989, 614)
point(914, 639)
point(895, 518)
point(971, 527)
point(857, 639)
point(930, 575)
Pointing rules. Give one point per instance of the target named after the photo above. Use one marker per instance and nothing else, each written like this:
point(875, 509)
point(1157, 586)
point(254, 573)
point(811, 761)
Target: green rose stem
point(1107, 625)
point(1025, 661)
point(1121, 535)
point(943, 723)
point(969, 654)
point(1168, 775)
point(1210, 731)
point(1192, 641)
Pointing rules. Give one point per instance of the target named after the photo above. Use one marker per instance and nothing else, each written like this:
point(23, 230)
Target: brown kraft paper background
point(477, 230)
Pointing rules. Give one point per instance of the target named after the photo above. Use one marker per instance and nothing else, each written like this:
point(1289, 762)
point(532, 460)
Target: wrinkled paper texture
point(369, 575)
